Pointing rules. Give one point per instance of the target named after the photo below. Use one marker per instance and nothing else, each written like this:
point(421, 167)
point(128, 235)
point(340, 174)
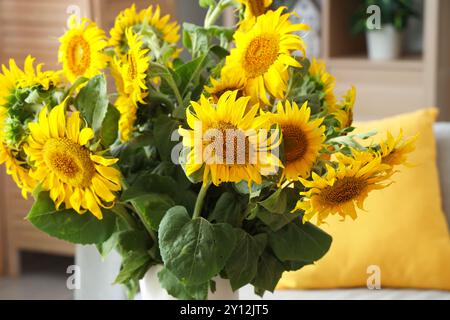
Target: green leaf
point(229, 209)
point(92, 102)
point(110, 126)
point(163, 129)
point(268, 275)
point(195, 39)
point(180, 291)
point(294, 265)
point(134, 266)
point(194, 250)
point(276, 203)
point(255, 191)
point(190, 73)
point(133, 241)
point(169, 79)
point(153, 183)
point(153, 207)
point(242, 265)
point(275, 221)
point(68, 225)
point(105, 248)
point(300, 242)
point(347, 141)
point(149, 183)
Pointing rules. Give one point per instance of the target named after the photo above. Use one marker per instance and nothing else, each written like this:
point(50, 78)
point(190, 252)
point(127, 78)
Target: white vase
point(384, 44)
point(152, 290)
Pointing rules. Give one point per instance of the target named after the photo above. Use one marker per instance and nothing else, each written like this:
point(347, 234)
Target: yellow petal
point(103, 161)
point(92, 205)
point(85, 135)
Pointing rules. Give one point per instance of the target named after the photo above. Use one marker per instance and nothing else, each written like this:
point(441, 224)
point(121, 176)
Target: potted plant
point(205, 174)
point(383, 22)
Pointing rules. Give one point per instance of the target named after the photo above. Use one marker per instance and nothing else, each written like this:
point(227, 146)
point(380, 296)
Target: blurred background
point(408, 69)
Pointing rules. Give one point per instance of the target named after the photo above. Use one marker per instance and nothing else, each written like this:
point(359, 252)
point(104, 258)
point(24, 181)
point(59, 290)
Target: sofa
point(97, 274)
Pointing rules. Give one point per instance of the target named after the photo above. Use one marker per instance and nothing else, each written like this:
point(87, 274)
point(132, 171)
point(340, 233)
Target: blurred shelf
point(389, 87)
point(408, 63)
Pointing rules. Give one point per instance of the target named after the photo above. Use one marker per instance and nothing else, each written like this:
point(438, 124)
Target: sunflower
point(344, 112)
point(255, 8)
point(66, 167)
point(13, 77)
point(134, 70)
point(227, 82)
point(394, 151)
point(129, 18)
point(32, 76)
point(81, 49)
point(342, 188)
point(327, 82)
point(263, 54)
point(15, 168)
point(128, 111)
point(228, 143)
point(303, 138)
point(13, 119)
point(123, 103)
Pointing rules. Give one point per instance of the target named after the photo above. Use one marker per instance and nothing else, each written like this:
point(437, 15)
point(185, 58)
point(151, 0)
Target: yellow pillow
point(404, 231)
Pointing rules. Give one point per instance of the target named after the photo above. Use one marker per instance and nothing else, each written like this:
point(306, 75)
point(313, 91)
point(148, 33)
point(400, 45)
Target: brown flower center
point(78, 55)
point(70, 161)
point(230, 144)
point(343, 190)
point(261, 53)
point(295, 143)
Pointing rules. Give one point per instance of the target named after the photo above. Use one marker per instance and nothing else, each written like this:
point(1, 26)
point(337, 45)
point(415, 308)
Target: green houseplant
point(383, 21)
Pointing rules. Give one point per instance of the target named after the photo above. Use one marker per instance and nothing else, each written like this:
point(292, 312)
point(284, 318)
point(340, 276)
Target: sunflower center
point(295, 143)
point(256, 7)
point(343, 190)
point(132, 67)
point(78, 56)
point(69, 161)
point(261, 53)
point(232, 146)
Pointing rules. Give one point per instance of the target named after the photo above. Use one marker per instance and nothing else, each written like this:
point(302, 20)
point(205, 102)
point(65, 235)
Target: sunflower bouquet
point(221, 162)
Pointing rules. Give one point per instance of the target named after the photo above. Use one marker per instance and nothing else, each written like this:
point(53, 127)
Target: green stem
point(163, 72)
point(173, 86)
point(215, 12)
point(123, 214)
point(200, 199)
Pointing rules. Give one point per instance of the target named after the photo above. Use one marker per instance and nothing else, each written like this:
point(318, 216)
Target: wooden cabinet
point(33, 27)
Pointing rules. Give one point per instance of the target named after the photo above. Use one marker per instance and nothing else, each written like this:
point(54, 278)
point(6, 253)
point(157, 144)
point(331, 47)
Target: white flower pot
point(152, 290)
point(384, 44)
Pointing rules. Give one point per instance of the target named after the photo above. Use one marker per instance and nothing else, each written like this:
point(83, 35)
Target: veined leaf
point(68, 225)
point(300, 242)
point(242, 265)
point(194, 250)
point(92, 102)
point(180, 291)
